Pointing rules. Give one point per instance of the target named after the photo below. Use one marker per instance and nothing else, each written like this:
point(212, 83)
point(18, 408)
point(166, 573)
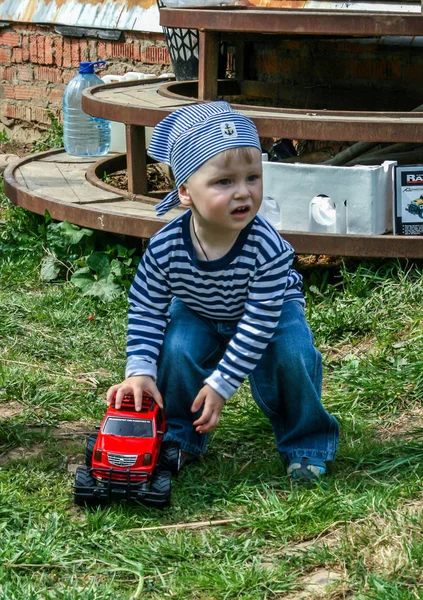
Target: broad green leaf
point(105, 289)
point(50, 268)
point(99, 263)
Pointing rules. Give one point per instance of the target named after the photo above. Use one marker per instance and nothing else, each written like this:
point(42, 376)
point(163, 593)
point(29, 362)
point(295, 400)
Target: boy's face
point(225, 193)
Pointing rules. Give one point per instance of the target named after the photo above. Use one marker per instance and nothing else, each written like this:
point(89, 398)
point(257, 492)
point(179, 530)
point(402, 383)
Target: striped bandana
point(191, 135)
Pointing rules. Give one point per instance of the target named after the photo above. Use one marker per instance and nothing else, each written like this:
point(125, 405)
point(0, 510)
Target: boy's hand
point(137, 386)
point(213, 405)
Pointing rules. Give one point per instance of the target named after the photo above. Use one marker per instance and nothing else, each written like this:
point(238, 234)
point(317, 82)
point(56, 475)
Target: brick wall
point(36, 63)
point(343, 74)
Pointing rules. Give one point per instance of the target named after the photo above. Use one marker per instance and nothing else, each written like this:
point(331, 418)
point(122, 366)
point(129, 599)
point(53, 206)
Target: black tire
point(90, 449)
point(171, 457)
point(84, 483)
point(162, 483)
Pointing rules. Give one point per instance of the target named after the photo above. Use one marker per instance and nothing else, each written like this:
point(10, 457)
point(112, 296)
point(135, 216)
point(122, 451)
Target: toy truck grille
point(122, 460)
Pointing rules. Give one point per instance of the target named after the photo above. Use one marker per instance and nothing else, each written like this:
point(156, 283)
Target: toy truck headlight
point(97, 455)
point(146, 461)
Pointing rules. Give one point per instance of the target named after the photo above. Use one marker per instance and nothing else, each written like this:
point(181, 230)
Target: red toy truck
point(128, 458)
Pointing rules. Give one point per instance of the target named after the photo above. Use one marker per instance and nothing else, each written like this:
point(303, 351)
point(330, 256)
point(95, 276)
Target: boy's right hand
point(137, 386)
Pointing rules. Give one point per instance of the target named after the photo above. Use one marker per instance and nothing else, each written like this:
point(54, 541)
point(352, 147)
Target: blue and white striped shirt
point(248, 284)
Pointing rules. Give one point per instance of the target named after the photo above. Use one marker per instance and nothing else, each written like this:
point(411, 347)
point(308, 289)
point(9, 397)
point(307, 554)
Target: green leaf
point(105, 289)
point(73, 233)
point(83, 279)
point(50, 268)
point(99, 263)
point(116, 268)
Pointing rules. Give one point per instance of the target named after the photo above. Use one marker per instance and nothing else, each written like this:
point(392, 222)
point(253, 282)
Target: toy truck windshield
point(139, 428)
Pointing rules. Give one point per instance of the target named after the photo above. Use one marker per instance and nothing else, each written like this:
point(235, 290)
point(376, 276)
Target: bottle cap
point(88, 67)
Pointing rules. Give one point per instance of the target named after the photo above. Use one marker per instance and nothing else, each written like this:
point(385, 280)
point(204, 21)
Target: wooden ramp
point(56, 182)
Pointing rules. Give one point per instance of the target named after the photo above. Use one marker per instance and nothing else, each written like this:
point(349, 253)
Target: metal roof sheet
point(125, 15)
point(143, 15)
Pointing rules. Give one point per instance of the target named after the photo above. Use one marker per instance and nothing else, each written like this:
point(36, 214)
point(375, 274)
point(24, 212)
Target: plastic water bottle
point(83, 135)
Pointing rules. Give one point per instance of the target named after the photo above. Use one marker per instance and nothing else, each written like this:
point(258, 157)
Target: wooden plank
point(140, 98)
point(66, 183)
point(208, 59)
point(64, 157)
point(136, 159)
point(137, 209)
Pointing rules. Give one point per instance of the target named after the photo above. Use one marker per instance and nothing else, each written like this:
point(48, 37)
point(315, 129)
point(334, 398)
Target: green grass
point(364, 522)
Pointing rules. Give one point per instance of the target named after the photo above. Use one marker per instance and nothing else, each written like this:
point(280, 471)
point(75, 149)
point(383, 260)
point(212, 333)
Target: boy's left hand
point(213, 406)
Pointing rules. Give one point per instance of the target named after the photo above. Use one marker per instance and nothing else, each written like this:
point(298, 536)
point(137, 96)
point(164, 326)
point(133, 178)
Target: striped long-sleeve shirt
point(248, 284)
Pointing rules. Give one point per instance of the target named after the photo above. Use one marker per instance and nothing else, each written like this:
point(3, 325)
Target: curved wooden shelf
point(56, 182)
point(145, 104)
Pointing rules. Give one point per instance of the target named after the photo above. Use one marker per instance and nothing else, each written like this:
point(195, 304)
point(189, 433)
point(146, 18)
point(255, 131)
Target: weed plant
point(62, 347)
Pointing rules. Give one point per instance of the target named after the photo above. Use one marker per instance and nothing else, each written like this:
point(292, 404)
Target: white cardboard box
point(361, 196)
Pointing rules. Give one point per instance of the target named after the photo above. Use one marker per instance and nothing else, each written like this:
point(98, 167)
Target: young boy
point(215, 299)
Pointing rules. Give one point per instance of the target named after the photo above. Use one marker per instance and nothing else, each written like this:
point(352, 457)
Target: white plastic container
point(362, 196)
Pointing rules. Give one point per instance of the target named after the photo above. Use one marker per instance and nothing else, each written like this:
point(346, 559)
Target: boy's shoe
point(188, 458)
point(306, 469)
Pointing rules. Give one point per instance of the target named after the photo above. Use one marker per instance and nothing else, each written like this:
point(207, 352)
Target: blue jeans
point(286, 383)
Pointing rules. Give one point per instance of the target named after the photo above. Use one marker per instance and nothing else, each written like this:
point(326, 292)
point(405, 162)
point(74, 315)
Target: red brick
point(40, 48)
point(9, 91)
point(48, 50)
point(137, 51)
point(156, 55)
point(23, 92)
point(17, 111)
point(101, 50)
point(58, 51)
point(122, 50)
point(56, 95)
point(40, 115)
point(25, 48)
point(7, 73)
point(33, 51)
point(5, 55)
point(50, 74)
point(10, 38)
point(83, 46)
point(17, 55)
point(75, 55)
point(67, 59)
point(25, 73)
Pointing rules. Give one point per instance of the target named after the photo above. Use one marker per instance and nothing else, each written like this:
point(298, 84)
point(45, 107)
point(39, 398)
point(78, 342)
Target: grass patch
point(363, 523)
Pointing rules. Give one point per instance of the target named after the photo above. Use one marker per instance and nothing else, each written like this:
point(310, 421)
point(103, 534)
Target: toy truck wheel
point(162, 484)
point(84, 484)
point(90, 449)
point(171, 457)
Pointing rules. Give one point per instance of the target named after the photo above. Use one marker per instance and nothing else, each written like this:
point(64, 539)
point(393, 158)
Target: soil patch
point(18, 148)
point(9, 410)
point(157, 180)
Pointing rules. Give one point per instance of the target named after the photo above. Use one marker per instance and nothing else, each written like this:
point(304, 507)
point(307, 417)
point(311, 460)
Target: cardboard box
point(362, 196)
point(408, 208)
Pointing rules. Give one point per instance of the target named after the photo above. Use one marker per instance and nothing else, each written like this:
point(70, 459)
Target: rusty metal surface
point(125, 15)
point(96, 217)
point(271, 122)
point(303, 22)
point(355, 5)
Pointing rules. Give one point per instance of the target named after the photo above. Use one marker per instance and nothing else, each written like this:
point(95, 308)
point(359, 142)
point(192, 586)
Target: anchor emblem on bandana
point(228, 129)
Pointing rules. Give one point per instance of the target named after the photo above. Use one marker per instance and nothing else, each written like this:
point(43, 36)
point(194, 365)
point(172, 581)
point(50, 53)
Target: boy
point(215, 299)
